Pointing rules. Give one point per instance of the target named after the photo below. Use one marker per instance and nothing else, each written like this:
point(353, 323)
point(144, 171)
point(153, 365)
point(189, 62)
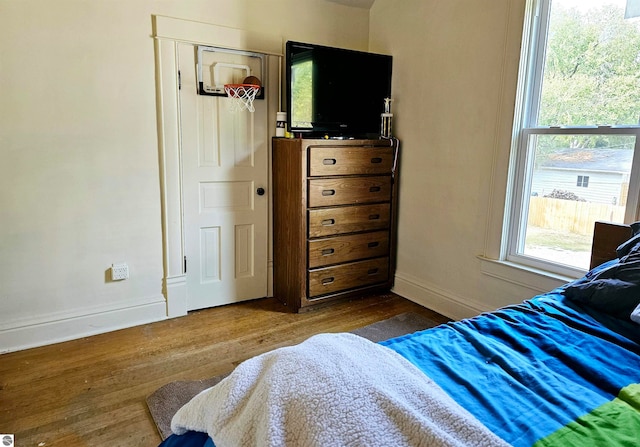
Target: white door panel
point(224, 160)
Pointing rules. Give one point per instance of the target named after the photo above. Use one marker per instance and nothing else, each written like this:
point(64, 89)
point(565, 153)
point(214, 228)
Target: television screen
point(335, 92)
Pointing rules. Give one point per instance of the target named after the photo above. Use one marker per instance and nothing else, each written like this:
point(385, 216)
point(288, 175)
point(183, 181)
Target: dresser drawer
point(348, 190)
point(324, 161)
point(348, 219)
point(348, 276)
point(339, 249)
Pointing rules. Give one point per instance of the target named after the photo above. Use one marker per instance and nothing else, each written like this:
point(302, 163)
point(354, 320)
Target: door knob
point(260, 191)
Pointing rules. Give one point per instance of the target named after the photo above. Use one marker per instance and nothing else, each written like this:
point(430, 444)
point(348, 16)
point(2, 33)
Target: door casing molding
point(168, 32)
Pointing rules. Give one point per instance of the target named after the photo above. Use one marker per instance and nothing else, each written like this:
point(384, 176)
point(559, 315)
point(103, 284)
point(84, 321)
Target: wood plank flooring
point(91, 391)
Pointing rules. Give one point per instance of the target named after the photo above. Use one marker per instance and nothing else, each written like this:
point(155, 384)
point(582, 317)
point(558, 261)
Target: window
point(583, 181)
point(578, 112)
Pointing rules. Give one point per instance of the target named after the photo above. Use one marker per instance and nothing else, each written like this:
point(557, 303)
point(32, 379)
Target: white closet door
point(224, 165)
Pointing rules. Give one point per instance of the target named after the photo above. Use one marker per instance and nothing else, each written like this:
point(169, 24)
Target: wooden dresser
point(334, 205)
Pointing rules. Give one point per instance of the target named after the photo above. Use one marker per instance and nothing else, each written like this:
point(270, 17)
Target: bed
point(560, 369)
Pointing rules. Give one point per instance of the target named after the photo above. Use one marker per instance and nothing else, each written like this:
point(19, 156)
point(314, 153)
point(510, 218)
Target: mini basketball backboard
point(218, 67)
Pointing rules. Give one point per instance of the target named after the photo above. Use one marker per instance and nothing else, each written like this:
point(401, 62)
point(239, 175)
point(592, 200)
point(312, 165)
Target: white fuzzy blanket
point(331, 390)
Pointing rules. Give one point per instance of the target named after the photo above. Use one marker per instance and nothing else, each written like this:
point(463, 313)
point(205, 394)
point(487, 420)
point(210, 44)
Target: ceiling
point(364, 4)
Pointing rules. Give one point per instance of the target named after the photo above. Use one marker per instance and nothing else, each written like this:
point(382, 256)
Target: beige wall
point(454, 85)
point(79, 170)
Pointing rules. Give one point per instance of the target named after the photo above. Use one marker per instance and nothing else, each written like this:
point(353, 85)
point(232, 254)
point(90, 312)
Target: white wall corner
point(436, 299)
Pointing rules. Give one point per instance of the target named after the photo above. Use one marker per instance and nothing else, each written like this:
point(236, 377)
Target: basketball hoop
point(242, 96)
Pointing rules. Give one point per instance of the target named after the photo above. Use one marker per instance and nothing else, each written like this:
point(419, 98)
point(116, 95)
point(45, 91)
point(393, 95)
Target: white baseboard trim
point(436, 299)
point(78, 326)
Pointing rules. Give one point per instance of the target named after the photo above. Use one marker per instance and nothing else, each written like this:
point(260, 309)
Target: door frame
point(167, 33)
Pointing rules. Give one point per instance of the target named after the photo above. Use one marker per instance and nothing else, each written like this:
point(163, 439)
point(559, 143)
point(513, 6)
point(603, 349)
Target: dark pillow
point(624, 248)
point(614, 289)
point(613, 296)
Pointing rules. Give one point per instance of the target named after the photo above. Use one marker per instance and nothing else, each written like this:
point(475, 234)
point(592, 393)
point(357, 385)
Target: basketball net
point(241, 96)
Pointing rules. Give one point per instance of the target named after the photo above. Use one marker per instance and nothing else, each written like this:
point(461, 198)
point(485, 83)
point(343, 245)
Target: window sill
point(539, 281)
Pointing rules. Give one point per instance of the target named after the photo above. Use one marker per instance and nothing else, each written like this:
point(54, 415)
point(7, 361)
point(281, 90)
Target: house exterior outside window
point(576, 132)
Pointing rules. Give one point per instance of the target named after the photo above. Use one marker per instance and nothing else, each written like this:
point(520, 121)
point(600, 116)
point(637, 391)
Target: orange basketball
point(252, 80)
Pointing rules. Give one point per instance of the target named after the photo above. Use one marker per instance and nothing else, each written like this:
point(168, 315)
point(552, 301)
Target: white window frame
point(527, 103)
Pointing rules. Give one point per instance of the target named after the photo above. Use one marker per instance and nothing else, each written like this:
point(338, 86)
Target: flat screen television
point(334, 91)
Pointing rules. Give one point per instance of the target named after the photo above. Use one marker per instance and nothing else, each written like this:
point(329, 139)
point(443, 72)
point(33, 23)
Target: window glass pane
point(558, 212)
point(591, 72)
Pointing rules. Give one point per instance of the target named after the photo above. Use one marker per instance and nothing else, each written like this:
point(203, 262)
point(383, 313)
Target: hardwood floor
point(91, 391)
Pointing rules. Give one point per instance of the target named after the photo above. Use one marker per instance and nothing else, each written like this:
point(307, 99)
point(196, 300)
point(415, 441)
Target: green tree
point(592, 72)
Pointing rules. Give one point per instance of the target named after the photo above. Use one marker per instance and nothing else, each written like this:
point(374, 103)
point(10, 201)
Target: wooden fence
point(570, 215)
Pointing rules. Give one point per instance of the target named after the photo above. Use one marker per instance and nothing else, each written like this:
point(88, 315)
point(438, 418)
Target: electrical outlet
point(119, 271)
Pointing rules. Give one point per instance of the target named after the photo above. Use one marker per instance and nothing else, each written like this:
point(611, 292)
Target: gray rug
point(167, 400)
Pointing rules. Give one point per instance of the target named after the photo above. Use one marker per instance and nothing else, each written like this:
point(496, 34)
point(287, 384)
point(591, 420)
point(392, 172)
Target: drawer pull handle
point(328, 251)
point(376, 160)
point(327, 281)
point(373, 244)
point(374, 189)
point(329, 161)
point(373, 271)
point(327, 222)
point(374, 216)
point(328, 192)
